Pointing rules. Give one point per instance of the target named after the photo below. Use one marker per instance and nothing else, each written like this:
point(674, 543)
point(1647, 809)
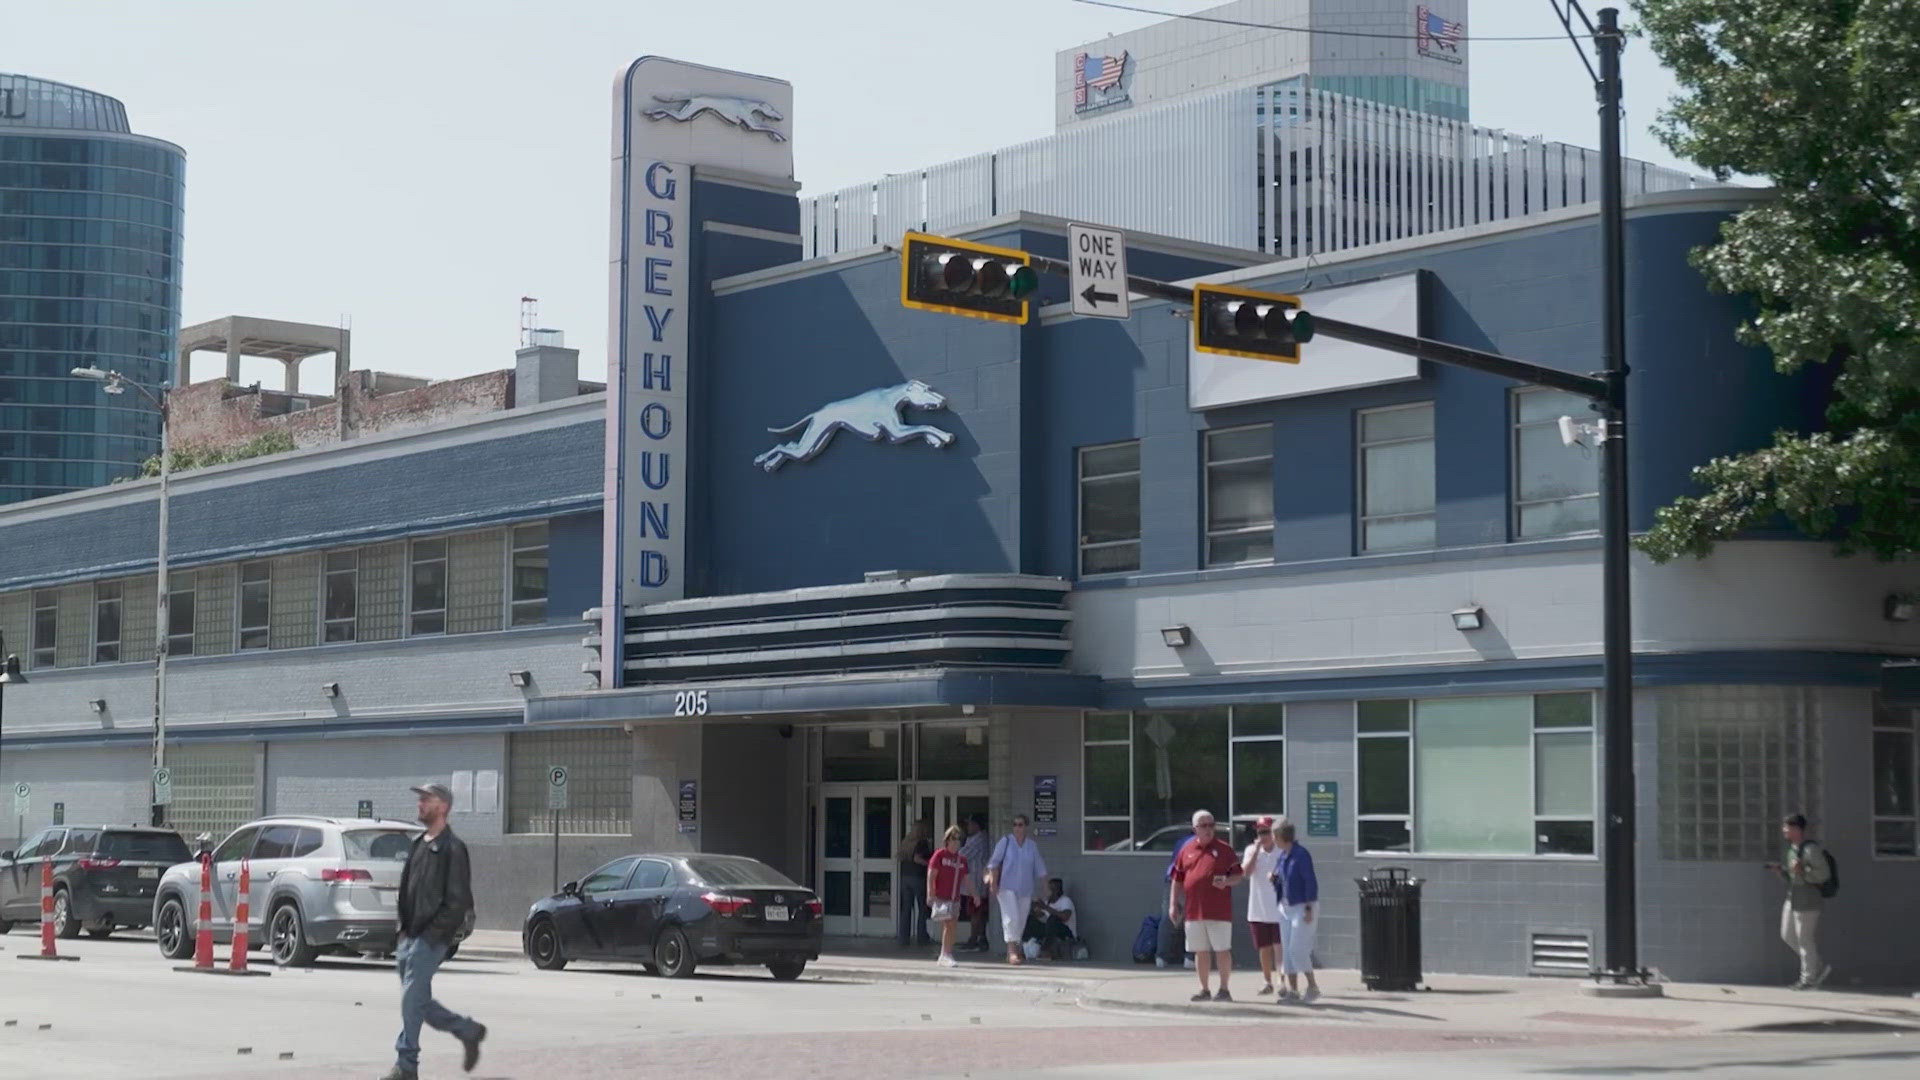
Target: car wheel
point(287, 938)
point(170, 930)
point(64, 923)
point(787, 970)
point(543, 946)
point(673, 954)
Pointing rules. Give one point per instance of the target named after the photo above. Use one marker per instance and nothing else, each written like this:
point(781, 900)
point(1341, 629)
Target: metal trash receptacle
point(1389, 929)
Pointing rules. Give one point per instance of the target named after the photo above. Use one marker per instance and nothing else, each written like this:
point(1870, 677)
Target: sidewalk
point(1469, 1003)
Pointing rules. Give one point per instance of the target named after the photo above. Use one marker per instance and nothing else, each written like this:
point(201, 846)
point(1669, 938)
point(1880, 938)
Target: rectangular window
point(180, 612)
point(1733, 761)
point(46, 625)
point(1239, 464)
point(1476, 776)
point(256, 604)
point(1556, 487)
point(529, 575)
point(340, 594)
point(599, 764)
point(1396, 478)
point(1896, 782)
point(1144, 774)
point(427, 593)
point(1109, 503)
point(1257, 767)
point(1106, 799)
point(107, 598)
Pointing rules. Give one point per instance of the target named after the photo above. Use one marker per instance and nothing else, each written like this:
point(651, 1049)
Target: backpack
point(1832, 885)
point(1147, 940)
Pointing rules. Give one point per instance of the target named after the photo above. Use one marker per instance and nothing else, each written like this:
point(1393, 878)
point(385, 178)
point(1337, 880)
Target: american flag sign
point(1101, 73)
point(1434, 32)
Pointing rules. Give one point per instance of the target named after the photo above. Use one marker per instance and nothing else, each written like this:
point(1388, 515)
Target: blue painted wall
point(573, 566)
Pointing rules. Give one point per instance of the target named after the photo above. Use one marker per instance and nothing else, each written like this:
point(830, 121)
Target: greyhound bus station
point(814, 565)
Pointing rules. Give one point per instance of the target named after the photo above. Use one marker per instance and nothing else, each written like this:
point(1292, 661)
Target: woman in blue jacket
point(1299, 893)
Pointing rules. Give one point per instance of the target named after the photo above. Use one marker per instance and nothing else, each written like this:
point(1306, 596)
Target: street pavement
point(121, 1010)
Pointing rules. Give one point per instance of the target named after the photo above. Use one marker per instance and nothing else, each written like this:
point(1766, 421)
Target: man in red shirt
point(1205, 871)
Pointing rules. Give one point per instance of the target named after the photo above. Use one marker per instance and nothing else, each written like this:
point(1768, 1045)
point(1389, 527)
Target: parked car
point(104, 877)
point(672, 913)
point(317, 885)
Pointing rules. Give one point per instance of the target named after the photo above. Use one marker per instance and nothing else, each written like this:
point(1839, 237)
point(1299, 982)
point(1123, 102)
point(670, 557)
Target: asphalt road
point(122, 1011)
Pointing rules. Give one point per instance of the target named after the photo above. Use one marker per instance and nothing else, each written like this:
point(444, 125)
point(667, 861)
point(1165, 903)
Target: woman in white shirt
point(1263, 906)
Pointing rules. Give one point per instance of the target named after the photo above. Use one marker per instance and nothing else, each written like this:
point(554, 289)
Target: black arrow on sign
point(1094, 298)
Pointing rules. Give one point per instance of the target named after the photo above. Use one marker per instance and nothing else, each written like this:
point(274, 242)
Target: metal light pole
point(1617, 799)
point(116, 383)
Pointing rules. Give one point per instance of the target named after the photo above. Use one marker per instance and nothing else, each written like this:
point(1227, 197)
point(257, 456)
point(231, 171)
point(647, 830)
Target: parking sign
point(22, 798)
point(557, 787)
point(162, 786)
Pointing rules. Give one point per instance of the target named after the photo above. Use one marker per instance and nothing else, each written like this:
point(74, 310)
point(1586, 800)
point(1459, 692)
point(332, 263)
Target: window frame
point(510, 617)
point(174, 593)
point(1361, 445)
point(1411, 818)
point(1208, 534)
point(414, 562)
point(1912, 731)
point(1231, 814)
point(119, 602)
point(264, 583)
point(48, 655)
point(1081, 546)
point(1514, 504)
point(327, 573)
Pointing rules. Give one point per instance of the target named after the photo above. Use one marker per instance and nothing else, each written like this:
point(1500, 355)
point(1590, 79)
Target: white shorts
point(1209, 935)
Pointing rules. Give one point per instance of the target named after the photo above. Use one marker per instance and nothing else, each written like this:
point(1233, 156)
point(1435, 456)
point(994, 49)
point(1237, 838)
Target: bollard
point(239, 962)
point(47, 950)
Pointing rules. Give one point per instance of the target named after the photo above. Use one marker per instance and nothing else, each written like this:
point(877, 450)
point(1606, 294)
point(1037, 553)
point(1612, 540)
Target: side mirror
point(6, 854)
point(571, 888)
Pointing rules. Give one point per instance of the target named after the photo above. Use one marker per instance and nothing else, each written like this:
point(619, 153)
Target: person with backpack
point(1812, 876)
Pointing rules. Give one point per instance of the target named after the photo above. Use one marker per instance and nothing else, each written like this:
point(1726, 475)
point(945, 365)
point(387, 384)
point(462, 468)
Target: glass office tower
point(90, 219)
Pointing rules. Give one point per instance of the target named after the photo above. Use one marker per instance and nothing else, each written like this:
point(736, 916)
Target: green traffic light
point(1022, 281)
point(1302, 327)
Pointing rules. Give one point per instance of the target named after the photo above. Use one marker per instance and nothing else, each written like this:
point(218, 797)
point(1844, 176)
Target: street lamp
point(9, 676)
point(113, 382)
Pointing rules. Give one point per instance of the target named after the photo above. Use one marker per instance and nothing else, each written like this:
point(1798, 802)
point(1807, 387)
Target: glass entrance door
point(859, 827)
point(951, 803)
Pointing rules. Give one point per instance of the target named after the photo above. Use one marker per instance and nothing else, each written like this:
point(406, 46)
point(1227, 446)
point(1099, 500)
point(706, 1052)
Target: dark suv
point(103, 877)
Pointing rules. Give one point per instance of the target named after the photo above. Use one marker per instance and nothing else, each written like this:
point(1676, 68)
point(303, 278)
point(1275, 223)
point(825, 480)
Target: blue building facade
point(90, 257)
point(932, 567)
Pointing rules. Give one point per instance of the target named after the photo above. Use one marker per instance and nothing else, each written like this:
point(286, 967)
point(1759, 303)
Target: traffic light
point(1257, 325)
point(961, 277)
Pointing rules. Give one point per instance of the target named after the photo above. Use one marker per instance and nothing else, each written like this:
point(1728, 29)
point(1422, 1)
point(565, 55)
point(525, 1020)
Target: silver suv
point(318, 884)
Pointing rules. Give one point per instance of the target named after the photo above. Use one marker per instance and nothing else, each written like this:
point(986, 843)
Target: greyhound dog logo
point(748, 114)
point(869, 415)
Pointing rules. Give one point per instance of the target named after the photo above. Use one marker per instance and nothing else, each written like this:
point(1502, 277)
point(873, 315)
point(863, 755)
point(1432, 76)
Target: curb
point(830, 969)
point(1234, 1009)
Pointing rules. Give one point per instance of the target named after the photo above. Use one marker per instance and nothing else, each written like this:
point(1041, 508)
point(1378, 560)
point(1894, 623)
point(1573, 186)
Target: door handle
point(230, 877)
point(269, 874)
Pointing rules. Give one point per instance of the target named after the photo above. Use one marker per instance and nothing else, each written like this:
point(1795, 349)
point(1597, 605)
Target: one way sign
point(1098, 272)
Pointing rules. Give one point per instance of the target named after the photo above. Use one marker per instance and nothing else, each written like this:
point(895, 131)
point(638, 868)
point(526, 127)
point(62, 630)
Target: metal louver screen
point(1561, 953)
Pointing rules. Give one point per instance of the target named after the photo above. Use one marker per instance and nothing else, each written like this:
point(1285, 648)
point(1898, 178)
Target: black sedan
point(103, 877)
point(672, 913)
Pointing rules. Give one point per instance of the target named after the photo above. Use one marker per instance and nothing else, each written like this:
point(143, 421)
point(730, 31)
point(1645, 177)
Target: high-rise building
point(90, 230)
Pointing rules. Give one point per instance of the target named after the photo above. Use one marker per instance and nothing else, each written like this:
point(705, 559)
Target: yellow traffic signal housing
point(1241, 322)
point(960, 277)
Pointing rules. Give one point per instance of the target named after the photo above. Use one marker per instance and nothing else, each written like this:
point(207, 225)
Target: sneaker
point(948, 961)
point(1222, 995)
point(398, 1073)
point(471, 1046)
point(1267, 989)
point(1201, 996)
point(1312, 995)
point(1800, 984)
point(1825, 970)
point(1285, 997)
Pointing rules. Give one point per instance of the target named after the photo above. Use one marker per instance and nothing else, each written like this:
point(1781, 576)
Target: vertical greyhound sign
point(670, 120)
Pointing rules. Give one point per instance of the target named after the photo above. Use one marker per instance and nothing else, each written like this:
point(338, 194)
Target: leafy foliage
point(200, 456)
point(1822, 99)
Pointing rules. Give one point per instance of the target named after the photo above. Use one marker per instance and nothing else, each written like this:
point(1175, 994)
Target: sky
point(416, 168)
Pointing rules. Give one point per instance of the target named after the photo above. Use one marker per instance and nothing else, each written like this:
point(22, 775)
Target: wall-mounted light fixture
point(1469, 618)
point(98, 705)
point(331, 689)
point(1177, 637)
point(877, 738)
point(520, 678)
point(1898, 607)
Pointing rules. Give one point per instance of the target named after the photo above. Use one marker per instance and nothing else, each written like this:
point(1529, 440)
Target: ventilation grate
point(1562, 953)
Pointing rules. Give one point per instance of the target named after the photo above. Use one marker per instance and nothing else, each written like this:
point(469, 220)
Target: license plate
point(149, 871)
point(776, 914)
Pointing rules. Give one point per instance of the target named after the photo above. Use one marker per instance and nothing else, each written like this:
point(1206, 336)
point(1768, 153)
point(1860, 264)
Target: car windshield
point(146, 846)
point(731, 872)
point(378, 844)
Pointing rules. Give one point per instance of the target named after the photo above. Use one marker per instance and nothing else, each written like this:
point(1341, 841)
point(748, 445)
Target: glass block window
point(295, 621)
point(599, 764)
point(16, 624)
point(75, 641)
point(1239, 492)
point(476, 568)
point(136, 619)
point(213, 610)
point(381, 604)
point(1109, 479)
point(1734, 760)
point(215, 788)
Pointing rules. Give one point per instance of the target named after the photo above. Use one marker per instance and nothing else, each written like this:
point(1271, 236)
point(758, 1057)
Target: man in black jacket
point(436, 899)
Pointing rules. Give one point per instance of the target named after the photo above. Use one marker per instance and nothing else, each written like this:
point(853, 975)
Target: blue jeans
point(417, 959)
point(911, 915)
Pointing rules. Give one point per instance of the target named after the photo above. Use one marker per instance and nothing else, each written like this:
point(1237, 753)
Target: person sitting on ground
point(1051, 922)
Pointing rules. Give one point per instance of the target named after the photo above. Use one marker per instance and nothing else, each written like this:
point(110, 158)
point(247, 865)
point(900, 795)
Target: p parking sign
point(557, 787)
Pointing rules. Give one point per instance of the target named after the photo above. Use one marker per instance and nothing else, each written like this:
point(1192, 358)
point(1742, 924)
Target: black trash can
point(1389, 929)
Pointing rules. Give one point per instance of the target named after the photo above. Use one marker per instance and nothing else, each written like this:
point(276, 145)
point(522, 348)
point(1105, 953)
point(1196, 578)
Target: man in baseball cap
point(436, 900)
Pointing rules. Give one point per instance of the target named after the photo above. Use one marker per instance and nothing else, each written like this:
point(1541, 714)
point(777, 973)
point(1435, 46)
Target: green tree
point(1820, 98)
point(199, 456)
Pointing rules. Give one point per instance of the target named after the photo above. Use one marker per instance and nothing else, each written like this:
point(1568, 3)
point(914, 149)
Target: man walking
point(436, 899)
point(976, 850)
point(1807, 876)
point(1205, 872)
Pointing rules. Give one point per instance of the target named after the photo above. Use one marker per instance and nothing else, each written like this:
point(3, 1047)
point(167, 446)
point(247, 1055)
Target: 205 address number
point(690, 703)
